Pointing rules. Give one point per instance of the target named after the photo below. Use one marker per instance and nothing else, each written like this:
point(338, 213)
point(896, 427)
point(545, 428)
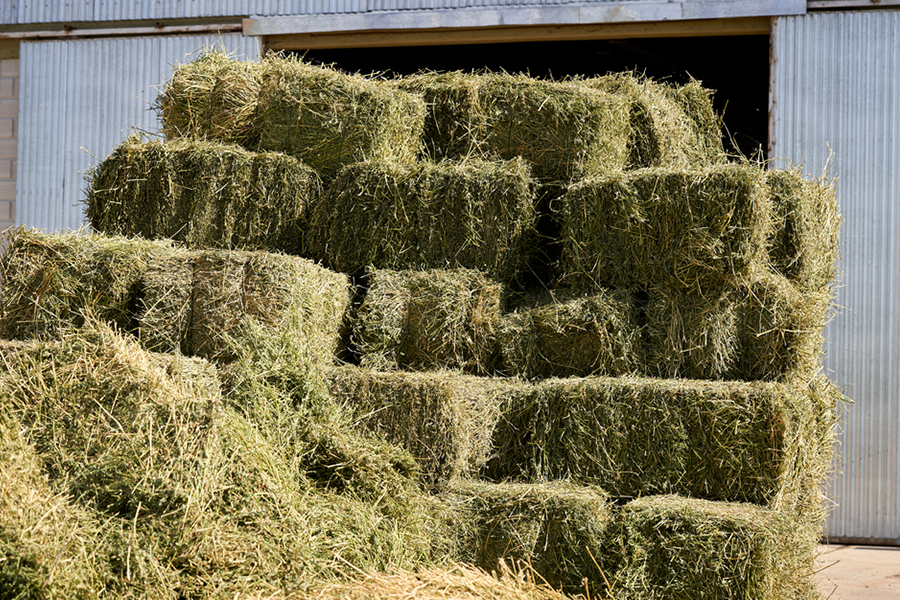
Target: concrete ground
point(859, 572)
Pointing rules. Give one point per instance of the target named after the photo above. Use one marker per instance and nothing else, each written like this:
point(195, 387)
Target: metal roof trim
point(583, 14)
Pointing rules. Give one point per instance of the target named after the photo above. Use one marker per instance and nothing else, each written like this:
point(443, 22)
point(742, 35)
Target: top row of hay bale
point(564, 129)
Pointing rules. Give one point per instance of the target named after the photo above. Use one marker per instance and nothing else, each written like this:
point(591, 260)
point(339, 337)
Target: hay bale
point(557, 529)
point(561, 336)
point(673, 547)
point(734, 441)
point(670, 126)
point(804, 243)
point(779, 329)
point(693, 230)
point(564, 129)
point(473, 215)
point(439, 319)
point(692, 335)
point(444, 419)
point(276, 292)
point(205, 194)
point(194, 302)
point(330, 119)
point(51, 282)
point(211, 98)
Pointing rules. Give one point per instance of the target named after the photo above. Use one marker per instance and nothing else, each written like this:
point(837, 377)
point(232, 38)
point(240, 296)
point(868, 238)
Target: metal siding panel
point(835, 81)
point(53, 11)
point(83, 99)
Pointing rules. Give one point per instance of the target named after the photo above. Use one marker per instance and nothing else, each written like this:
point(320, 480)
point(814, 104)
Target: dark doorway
point(737, 68)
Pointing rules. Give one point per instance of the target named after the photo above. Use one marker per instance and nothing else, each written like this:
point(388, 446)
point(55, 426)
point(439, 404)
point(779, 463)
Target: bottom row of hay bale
point(135, 474)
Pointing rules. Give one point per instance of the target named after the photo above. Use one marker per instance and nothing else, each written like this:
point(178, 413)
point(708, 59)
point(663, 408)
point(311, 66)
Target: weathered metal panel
point(8, 12)
point(79, 100)
point(56, 11)
point(834, 89)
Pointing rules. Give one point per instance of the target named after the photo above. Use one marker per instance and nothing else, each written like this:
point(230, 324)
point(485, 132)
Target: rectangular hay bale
point(688, 229)
point(213, 98)
point(205, 194)
point(57, 281)
point(672, 547)
point(277, 292)
point(563, 129)
point(433, 319)
point(558, 529)
point(444, 419)
point(472, 214)
point(804, 243)
point(563, 336)
point(734, 441)
point(330, 119)
point(670, 126)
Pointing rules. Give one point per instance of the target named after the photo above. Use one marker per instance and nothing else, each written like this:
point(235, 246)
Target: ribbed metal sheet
point(70, 11)
point(79, 99)
point(835, 88)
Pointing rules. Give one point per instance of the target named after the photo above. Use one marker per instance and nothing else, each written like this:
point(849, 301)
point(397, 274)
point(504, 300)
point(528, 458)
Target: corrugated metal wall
point(836, 88)
point(83, 97)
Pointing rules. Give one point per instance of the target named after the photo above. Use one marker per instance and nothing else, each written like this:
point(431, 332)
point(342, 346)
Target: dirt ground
point(859, 572)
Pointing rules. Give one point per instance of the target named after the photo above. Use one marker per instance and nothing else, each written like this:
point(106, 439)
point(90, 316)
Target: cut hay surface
point(687, 229)
point(330, 119)
point(457, 582)
point(205, 194)
point(672, 126)
point(211, 98)
point(563, 336)
point(473, 214)
point(746, 442)
point(444, 419)
point(178, 491)
point(429, 320)
point(203, 303)
point(563, 129)
point(804, 244)
point(672, 547)
point(557, 529)
point(51, 282)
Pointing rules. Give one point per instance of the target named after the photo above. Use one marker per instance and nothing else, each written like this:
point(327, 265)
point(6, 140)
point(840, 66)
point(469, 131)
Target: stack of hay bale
point(598, 336)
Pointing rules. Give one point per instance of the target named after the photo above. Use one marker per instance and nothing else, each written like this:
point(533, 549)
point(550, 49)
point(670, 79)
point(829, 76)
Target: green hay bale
point(693, 230)
point(474, 215)
point(561, 336)
point(213, 98)
point(557, 529)
point(207, 195)
point(690, 335)
point(193, 302)
point(330, 119)
point(429, 320)
point(564, 129)
point(445, 420)
point(678, 548)
point(804, 243)
point(51, 282)
point(743, 442)
point(273, 291)
point(779, 329)
point(670, 126)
